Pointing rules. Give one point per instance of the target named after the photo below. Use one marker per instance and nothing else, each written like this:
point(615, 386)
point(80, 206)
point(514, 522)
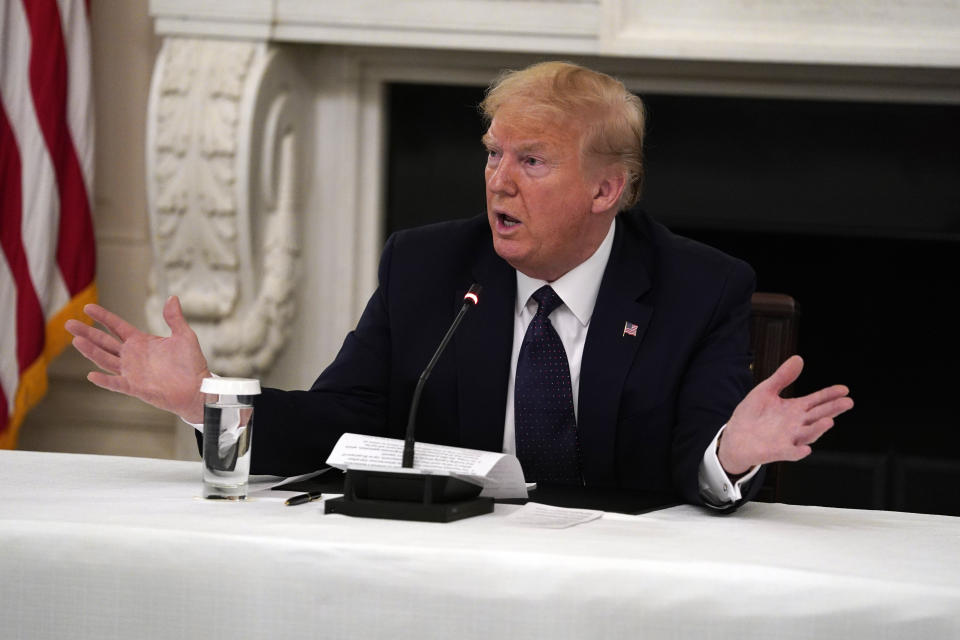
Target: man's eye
point(532, 162)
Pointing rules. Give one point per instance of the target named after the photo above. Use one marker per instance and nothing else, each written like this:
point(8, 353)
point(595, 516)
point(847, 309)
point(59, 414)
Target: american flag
point(47, 259)
point(630, 329)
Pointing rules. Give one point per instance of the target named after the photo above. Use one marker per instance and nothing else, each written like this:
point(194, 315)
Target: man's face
point(540, 196)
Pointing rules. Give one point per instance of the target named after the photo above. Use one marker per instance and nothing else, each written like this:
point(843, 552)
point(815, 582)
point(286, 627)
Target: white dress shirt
point(578, 288)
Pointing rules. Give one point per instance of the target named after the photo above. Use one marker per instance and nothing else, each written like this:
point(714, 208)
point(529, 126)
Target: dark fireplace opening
point(851, 208)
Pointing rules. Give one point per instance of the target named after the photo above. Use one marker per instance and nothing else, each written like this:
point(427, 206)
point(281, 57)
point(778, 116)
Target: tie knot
point(547, 298)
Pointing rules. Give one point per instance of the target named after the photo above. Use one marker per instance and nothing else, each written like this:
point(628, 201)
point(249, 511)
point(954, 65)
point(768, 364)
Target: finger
point(828, 409)
point(120, 327)
point(808, 434)
point(173, 316)
point(96, 355)
point(785, 374)
point(102, 339)
point(824, 395)
point(109, 382)
point(75, 327)
point(799, 452)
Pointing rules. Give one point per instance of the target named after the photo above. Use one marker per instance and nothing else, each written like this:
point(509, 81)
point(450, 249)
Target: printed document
point(499, 474)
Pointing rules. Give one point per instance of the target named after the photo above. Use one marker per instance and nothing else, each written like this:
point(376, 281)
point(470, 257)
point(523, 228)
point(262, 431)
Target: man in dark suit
point(604, 351)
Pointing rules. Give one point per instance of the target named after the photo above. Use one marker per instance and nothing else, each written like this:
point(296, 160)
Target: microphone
point(407, 493)
point(470, 300)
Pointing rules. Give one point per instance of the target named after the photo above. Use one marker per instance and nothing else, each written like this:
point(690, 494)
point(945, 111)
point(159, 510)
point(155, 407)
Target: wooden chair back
point(773, 339)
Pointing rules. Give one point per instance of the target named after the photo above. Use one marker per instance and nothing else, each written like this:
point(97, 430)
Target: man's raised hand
point(164, 372)
point(765, 427)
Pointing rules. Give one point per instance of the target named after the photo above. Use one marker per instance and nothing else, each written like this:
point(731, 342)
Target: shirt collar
point(578, 288)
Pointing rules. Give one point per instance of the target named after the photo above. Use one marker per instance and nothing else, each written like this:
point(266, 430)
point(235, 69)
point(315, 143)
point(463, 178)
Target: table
point(110, 547)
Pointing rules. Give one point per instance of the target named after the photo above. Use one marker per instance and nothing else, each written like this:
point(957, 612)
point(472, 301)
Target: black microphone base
point(391, 510)
point(398, 495)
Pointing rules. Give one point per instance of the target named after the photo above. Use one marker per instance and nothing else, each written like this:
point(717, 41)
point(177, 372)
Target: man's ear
point(612, 182)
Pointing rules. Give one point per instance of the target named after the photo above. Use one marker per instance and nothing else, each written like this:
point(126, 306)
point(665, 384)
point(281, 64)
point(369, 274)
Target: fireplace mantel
point(265, 141)
point(922, 33)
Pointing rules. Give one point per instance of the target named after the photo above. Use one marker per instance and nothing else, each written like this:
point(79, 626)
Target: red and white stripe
point(47, 259)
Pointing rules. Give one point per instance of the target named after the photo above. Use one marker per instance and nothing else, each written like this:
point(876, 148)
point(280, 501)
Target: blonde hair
point(613, 116)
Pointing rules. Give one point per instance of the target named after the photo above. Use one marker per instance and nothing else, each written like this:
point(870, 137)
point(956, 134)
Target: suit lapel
point(483, 354)
point(608, 354)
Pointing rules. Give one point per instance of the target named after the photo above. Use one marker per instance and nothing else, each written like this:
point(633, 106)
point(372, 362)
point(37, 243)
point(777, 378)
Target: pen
point(303, 498)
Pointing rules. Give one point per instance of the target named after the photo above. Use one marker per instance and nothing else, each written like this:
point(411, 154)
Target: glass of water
point(227, 436)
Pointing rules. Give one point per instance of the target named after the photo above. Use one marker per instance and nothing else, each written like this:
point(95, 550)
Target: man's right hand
point(164, 372)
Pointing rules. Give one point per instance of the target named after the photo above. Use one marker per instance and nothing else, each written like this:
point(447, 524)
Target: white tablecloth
point(109, 547)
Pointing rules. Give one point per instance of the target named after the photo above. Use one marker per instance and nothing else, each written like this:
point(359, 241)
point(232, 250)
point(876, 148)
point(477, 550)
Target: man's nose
point(500, 178)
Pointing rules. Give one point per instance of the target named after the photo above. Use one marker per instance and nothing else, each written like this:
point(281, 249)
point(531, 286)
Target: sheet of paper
point(263, 484)
point(499, 474)
point(534, 514)
point(305, 476)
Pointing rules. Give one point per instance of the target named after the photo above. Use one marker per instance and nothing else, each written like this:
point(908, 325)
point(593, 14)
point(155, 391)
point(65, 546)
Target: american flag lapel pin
point(629, 329)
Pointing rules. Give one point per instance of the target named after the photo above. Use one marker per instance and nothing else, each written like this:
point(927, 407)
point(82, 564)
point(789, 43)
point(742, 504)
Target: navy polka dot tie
point(546, 426)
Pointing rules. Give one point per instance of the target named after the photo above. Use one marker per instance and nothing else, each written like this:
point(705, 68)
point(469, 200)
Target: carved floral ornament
point(224, 226)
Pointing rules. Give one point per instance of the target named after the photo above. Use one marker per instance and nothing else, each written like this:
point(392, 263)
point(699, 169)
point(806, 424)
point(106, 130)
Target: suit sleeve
point(296, 430)
point(716, 380)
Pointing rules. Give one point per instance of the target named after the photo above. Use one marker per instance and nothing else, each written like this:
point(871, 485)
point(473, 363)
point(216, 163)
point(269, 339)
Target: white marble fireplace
point(265, 142)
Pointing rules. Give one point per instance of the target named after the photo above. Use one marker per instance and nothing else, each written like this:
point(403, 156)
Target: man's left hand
point(766, 427)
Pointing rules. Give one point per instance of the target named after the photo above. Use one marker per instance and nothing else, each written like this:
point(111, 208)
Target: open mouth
point(507, 221)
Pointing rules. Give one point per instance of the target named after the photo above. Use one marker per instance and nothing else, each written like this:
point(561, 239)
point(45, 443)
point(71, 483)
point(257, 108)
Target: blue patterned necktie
point(546, 426)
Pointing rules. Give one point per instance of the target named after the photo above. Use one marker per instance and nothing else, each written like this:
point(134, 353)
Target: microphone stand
point(469, 300)
point(409, 494)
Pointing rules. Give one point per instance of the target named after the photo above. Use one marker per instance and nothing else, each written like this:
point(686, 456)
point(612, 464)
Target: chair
point(773, 339)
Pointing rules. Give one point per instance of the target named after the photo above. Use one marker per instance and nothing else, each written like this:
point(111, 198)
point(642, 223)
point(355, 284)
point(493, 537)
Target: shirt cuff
point(716, 488)
point(198, 427)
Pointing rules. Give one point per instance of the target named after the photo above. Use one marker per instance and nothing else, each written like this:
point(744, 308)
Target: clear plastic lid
point(231, 386)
